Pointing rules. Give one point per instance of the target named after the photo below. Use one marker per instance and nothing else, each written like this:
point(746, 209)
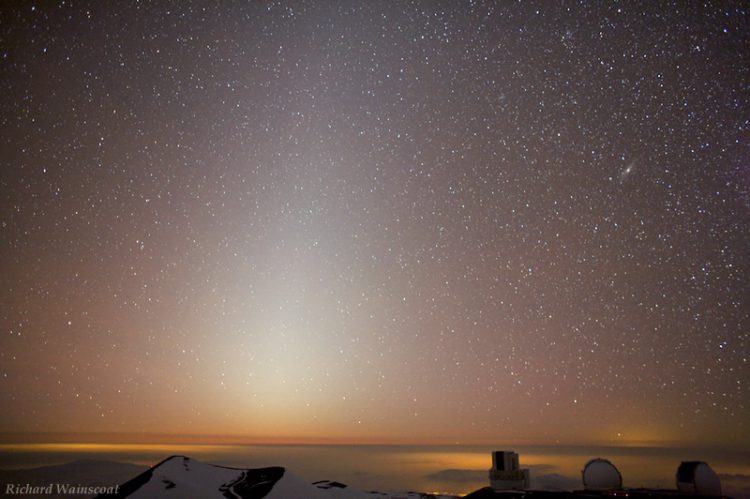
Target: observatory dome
point(600, 474)
point(697, 477)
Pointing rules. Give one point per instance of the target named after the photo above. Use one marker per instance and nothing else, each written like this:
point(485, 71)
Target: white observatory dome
point(600, 474)
point(697, 477)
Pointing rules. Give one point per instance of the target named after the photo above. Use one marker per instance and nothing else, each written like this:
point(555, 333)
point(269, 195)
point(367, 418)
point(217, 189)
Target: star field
point(376, 221)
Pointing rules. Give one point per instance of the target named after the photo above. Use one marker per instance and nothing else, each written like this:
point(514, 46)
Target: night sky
point(376, 221)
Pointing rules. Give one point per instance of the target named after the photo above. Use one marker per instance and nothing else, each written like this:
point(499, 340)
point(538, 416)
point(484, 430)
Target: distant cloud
point(540, 468)
point(366, 475)
point(459, 476)
point(546, 477)
point(738, 477)
point(736, 486)
point(554, 481)
point(542, 477)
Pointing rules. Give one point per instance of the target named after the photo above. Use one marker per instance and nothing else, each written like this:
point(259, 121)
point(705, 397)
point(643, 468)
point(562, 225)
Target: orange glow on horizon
point(123, 441)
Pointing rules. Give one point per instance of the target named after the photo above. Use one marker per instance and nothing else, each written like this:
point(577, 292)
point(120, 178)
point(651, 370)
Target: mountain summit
point(180, 477)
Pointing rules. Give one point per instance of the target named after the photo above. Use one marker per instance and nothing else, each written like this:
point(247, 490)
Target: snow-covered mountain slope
point(180, 477)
